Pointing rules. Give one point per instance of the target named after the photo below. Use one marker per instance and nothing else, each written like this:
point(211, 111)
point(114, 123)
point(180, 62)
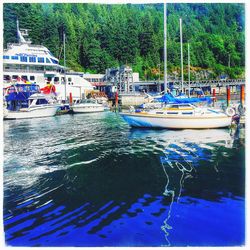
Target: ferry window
point(14, 57)
point(6, 57)
point(23, 58)
point(6, 77)
point(14, 77)
point(32, 59)
point(39, 68)
point(47, 60)
point(54, 61)
point(32, 78)
point(24, 78)
point(40, 59)
point(69, 79)
point(50, 53)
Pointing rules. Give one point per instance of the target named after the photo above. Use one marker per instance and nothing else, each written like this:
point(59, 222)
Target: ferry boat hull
point(34, 112)
point(174, 122)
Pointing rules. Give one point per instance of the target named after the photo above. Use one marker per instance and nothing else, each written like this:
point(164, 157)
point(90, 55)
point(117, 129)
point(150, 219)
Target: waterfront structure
point(27, 62)
point(97, 80)
point(122, 78)
point(205, 85)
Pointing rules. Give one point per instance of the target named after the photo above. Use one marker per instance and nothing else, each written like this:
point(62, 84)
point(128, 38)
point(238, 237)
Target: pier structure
point(122, 78)
point(219, 86)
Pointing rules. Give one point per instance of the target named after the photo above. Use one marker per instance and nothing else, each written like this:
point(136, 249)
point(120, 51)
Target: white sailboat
point(176, 116)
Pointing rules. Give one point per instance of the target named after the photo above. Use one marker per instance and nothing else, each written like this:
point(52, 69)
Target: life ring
point(230, 111)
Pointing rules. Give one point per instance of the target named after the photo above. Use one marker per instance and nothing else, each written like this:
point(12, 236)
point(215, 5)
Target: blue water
point(91, 180)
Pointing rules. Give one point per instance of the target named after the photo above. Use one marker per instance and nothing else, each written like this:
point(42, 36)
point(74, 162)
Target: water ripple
point(88, 180)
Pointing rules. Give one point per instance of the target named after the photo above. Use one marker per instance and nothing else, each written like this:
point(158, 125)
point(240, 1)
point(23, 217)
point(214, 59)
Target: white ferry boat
point(36, 64)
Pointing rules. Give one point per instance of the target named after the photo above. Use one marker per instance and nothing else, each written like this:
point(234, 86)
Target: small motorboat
point(177, 116)
point(39, 105)
point(87, 106)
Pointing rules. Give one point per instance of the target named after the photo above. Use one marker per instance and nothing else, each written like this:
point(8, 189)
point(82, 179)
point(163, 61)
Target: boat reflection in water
point(184, 152)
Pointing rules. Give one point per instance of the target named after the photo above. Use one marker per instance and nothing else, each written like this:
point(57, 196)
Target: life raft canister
point(230, 111)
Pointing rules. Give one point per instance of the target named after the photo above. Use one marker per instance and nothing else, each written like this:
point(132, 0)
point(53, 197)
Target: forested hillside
point(101, 36)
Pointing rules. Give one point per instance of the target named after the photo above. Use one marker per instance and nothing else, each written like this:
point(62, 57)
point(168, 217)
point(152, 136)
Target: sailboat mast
point(181, 55)
point(188, 71)
point(165, 48)
point(65, 81)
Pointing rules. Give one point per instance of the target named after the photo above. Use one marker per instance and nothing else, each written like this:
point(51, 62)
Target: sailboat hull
point(171, 122)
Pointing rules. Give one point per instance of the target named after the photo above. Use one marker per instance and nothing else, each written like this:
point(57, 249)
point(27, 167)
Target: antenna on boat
point(181, 55)
point(165, 49)
point(19, 34)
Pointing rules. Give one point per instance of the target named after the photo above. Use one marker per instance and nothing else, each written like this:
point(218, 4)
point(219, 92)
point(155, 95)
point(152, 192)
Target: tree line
point(100, 36)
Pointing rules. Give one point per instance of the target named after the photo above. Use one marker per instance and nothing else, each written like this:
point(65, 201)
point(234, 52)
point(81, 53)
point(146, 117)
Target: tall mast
point(181, 55)
point(65, 81)
point(165, 49)
point(188, 71)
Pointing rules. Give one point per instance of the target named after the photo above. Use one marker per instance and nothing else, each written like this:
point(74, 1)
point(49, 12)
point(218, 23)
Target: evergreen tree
point(99, 36)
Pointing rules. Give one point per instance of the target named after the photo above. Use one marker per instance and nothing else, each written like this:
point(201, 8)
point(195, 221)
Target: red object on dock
point(214, 93)
point(116, 99)
point(242, 94)
point(70, 98)
point(228, 95)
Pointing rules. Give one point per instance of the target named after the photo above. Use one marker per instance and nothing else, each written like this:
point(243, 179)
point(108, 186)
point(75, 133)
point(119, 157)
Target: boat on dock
point(177, 116)
point(39, 105)
point(87, 106)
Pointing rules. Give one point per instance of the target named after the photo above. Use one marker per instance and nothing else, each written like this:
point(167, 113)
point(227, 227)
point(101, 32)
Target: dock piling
point(242, 95)
point(70, 99)
point(214, 96)
point(228, 95)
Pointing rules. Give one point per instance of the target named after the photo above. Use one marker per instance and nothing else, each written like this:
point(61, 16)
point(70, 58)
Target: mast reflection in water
point(90, 180)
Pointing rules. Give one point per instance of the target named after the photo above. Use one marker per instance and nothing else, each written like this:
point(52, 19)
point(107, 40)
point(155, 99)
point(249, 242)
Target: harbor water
point(91, 180)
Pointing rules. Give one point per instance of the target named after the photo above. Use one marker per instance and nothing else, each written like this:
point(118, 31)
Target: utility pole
point(181, 55)
point(229, 63)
